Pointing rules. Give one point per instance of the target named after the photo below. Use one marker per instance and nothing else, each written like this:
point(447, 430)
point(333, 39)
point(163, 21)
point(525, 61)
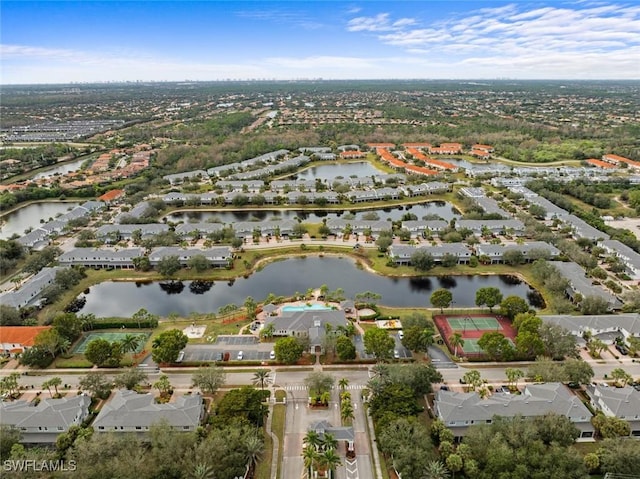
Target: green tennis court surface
point(474, 322)
point(112, 337)
point(471, 346)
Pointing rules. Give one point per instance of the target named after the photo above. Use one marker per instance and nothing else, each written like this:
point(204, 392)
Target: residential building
point(580, 285)
point(44, 422)
point(114, 233)
point(401, 254)
point(186, 230)
point(459, 411)
point(17, 339)
point(623, 403)
point(629, 257)
point(101, 258)
point(606, 327)
point(180, 177)
point(420, 228)
point(537, 249)
point(129, 411)
point(30, 292)
point(219, 257)
point(496, 227)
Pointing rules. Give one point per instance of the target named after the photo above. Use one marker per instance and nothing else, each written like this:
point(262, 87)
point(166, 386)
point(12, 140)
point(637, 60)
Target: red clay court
point(472, 327)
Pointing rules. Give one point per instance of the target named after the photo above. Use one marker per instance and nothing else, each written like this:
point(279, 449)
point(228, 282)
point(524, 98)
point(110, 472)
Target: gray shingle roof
point(130, 409)
point(536, 400)
point(623, 403)
point(50, 413)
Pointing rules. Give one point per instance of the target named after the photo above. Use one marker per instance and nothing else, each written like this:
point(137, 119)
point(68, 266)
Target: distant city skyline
point(112, 41)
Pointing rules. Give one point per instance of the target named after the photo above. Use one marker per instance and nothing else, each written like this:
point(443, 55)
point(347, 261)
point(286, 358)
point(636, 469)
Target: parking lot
point(252, 350)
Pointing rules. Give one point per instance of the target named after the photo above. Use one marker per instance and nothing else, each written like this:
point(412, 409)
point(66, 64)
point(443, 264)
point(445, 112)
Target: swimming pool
point(305, 307)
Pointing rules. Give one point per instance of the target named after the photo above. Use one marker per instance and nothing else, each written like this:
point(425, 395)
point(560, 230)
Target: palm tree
point(130, 343)
point(343, 383)
point(261, 377)
point(310, 458)
point(330, 460)
point(312, 439)
point(254, 447)
point(325, 397)
point(202, 471)
point(435, 470)
point(55, 382)
point(346, 411)
point(456, 341)
point(47, 385)
point(329, 442)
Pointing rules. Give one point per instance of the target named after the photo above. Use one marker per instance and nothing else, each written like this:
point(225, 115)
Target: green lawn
point(277, 427)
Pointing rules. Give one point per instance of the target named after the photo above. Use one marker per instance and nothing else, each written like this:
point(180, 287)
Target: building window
point(139, 427)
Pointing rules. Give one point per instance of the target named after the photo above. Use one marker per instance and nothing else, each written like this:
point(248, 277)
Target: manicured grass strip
point(263, 469)
point(277, 427)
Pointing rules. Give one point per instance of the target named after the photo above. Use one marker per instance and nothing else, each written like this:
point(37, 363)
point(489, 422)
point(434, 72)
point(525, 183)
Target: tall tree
point(379, 343)
point(441, 298)
point(209, 379)
point(167, 346)
point(288, 350)
point(261, 377)
point(456, 341)
point(489, 296)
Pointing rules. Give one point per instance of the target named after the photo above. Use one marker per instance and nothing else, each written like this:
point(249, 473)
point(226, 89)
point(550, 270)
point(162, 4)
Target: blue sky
point(85, 41)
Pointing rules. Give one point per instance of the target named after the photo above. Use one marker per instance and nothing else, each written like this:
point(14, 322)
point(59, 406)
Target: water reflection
point(284, 278)
point(428, 210)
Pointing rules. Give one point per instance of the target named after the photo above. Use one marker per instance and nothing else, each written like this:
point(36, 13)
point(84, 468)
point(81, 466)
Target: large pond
point(30, 216)
point(331, 171)
point(285, 278)
point(441, 209)
point(60, 169)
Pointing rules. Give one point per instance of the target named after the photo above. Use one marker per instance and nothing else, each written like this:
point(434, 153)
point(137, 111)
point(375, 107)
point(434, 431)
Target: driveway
point(298, 419)
point(439, 359)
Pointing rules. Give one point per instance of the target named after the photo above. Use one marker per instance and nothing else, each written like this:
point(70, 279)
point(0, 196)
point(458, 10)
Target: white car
point(396, 354)
point(272, 355)
point(180, 357)
point(400, 334)
point(240, 355)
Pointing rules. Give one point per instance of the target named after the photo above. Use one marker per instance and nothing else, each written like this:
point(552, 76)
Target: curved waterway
point(284, 278)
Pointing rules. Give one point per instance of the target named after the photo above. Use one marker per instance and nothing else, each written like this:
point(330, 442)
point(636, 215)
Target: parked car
point(180, 357)
point(400, 334)
point(272, 355)
point(240, 355)
point(219, 357)
point(396, 354)
point(622, 349)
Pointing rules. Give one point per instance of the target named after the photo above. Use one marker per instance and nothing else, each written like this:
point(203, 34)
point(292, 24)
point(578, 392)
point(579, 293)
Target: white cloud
point(379, 23)
point(604, 37)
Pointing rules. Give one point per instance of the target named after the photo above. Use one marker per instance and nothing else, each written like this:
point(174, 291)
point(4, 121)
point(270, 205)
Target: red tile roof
point(111, 195)
point(599, 163)
point(24, 335)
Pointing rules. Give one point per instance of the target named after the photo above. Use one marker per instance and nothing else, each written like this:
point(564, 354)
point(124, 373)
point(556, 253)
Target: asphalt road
point(181, 378)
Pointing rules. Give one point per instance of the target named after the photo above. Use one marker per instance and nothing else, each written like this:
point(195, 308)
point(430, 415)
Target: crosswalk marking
point(302, 387)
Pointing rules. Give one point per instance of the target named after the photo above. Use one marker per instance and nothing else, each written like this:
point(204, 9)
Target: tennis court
point(474, 322)
point(471, 346)
point(112, 337)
